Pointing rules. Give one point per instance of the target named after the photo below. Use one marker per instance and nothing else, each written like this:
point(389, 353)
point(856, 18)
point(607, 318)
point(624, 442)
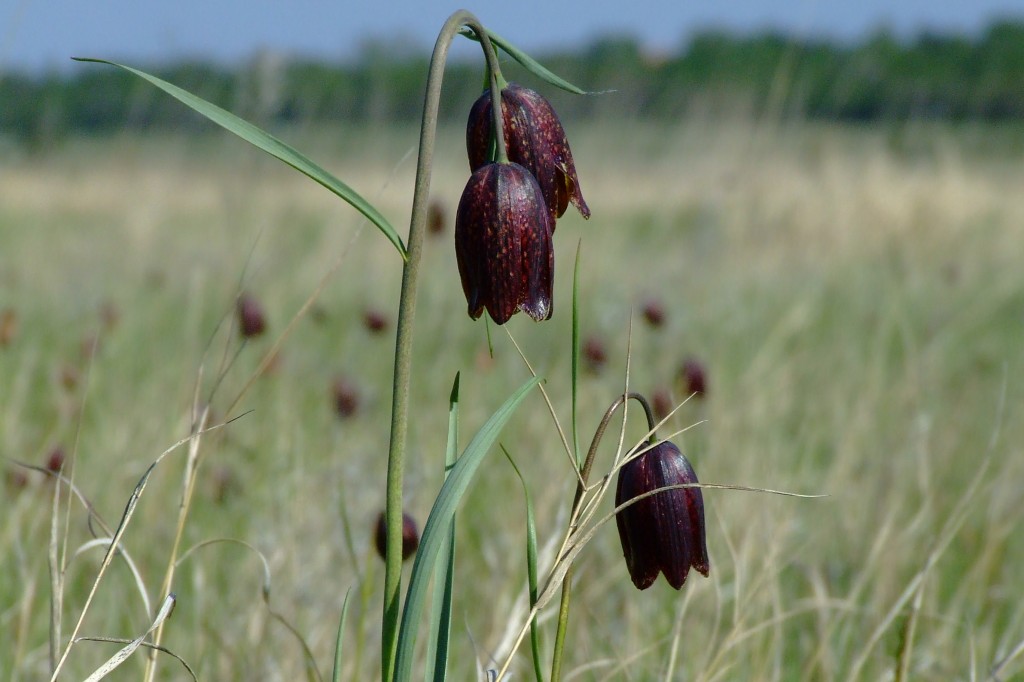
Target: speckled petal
point(664, 532)
point(636, 524)
point(535, 139)
point(503, 244)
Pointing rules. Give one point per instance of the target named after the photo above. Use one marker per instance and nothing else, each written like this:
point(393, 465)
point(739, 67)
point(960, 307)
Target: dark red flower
point(662, 532)
point(374, 320)
point(661, 403)
point(503, 244)
point(694, 378)
point(251, 320)
point(595, 353)
point(534, 138)
point(654, 312)
point(55, 460)
point(410, 536)
point(345, 393)
point(436, 217)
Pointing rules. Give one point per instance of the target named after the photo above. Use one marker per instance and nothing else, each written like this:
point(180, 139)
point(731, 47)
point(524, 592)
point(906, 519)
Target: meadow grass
point(855, 294)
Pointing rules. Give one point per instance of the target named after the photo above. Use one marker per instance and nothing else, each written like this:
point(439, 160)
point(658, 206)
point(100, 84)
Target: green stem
point(581, 486)
point(497, 113)
point(404, 333)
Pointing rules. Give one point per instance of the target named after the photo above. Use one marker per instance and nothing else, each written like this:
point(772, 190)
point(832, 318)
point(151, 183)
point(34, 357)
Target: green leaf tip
point(263, 140)
point(529, 63)
point(437, 528)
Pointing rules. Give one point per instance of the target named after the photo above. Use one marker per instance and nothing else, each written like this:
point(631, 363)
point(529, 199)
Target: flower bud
point(663, 532)
point(503, 244)
point(534, 138)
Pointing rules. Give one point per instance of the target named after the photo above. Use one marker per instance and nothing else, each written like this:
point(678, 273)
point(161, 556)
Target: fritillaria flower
point(346, 396)
point(535, 139)
point(251, 320)
point(694, 378)
point(375, 321)
point(436, 218)
point(663, 532)
point(595, 353)
point(654, 312)
point(410, 536)
point(503, 244)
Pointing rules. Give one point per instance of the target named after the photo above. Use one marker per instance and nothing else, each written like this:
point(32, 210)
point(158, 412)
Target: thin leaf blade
point(441, 608)
point(339, 640)
point(531, 568)
point(436, 529)
point(271, 145)
point(530, 64)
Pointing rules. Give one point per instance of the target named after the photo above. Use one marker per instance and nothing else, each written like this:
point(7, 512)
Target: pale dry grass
point(856, 297)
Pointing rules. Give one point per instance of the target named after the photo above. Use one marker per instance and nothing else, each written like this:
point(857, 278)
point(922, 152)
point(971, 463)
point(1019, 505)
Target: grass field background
point(856, 295)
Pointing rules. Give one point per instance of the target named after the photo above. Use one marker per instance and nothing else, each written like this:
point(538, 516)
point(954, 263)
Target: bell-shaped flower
point(410, 536)
point(535, 139)
point(503, 244)
point(663, 532)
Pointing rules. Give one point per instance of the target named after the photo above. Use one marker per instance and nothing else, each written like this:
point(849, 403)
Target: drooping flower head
point(694, 378)
point(503, 244)
point(410, 536)
point(251, 319)
point(535, 139)
point(663, 532)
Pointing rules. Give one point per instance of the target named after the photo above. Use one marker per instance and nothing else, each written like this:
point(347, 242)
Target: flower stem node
point(535, 139)
point(503, 244)
point(663, 532)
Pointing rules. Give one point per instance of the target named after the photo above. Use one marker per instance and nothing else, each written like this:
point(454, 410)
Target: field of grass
point(855, 294)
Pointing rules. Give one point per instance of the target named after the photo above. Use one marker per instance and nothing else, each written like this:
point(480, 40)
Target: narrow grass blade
point(441, 608)
point(121, 656)
point(437, 526)
point(273, 146)
point(529, 63)
point(531, 568)
point(336, 673)
point(576, 354)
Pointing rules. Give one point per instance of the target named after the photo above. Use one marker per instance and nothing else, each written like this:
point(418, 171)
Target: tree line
point(881, 78)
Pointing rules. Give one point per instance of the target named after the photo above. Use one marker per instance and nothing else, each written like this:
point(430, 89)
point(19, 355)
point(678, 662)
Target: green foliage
point(854, 290)
point(438, 528)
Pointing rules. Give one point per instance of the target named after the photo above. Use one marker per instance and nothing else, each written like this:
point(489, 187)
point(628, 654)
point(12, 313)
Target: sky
point(42, 35)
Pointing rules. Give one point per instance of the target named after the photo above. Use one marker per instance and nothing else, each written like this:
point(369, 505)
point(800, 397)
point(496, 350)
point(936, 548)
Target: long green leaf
point(336, 674)
point(271, 145)
point(529, 63)
point(436, 529)
point(441, 608)
point(531, 568)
